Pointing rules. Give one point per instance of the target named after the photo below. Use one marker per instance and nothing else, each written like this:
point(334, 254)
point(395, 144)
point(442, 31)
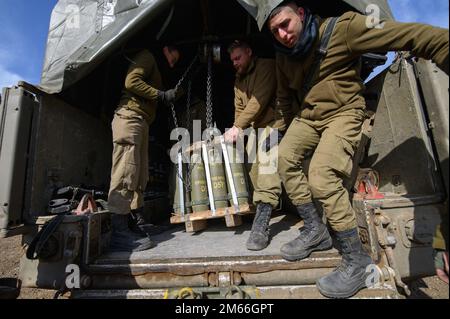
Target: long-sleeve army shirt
point(142, 83)
point(338, 86)
point(254, 95)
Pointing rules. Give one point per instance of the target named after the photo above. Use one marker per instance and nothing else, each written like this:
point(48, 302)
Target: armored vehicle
point(55, 139)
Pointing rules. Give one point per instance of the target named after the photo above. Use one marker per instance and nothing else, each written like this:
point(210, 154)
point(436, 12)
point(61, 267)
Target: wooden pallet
point(198, 221)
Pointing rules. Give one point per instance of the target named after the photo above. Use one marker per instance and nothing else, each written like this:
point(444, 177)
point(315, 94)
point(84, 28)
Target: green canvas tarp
point(83, 33)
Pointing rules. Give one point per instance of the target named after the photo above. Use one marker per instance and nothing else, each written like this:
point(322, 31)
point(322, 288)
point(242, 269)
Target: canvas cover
point(83, 33)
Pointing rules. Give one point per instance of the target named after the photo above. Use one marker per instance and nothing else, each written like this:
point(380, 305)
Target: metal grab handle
point(181, 185)
point(229, 174)
point(208, 178)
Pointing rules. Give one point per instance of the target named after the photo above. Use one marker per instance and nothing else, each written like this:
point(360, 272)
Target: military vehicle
point(58, 134)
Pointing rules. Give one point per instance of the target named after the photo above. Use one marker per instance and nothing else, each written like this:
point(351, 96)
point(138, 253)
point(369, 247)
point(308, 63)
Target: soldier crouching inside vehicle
point(255, 89)
point(330, 122)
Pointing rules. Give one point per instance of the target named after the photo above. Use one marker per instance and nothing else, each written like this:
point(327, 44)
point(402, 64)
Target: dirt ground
point(10, 251)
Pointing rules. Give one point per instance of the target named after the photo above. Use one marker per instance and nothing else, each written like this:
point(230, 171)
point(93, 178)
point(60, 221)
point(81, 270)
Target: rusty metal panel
point(311, 292)
point(193, 266)
point(286, 277)
point(148, 280)
point(414, 229)
point(269, 292)
point(400, 233)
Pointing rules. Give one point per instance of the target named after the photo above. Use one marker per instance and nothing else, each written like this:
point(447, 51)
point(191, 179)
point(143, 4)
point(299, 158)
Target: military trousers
point(129, 172)
point(334, 142)
point(263, 168)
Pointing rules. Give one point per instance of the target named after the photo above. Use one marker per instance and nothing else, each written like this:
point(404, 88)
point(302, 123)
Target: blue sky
point(24, 25)
point(23, 35)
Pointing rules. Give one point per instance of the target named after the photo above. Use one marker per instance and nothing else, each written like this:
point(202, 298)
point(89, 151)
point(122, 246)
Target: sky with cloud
point(23, 35)
point(24, 25)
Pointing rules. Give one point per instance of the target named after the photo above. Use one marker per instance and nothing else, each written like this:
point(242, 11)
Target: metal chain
point(183, 77)
point(188, 106)
point(186, 181)
point(188, 127)
point(174, 115)
point(209, 102)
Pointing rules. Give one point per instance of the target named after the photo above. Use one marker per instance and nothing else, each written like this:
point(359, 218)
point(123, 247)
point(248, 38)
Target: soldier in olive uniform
point(330, 121)
point(255, 89)
point(130, 126)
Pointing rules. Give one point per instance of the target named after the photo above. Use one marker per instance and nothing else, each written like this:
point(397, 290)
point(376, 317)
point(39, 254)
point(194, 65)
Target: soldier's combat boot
point(123, 239)
point(350, 276)
point(259, 237)
point(139, 225)
point(314, 235)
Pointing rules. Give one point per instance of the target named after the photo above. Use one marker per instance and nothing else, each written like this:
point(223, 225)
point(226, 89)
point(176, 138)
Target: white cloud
point(9, 72)
point(14, 63)
point(5, 56)
point(8, 78)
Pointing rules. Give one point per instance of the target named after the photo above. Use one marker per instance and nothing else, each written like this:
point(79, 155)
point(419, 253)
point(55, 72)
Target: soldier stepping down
point(130, 126)
point(321, 58)
point(255, 89)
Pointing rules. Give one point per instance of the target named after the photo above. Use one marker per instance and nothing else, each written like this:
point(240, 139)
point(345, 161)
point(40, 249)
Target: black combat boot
point(123, 239)
point(139, 225)
point(259, 237)
point(314, 236)
point(350, 276)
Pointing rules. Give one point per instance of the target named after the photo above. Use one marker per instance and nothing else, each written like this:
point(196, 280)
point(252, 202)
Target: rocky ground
point(10, 251)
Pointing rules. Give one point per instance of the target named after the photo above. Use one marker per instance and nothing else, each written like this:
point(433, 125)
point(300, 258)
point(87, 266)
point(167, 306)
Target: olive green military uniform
point(254, 107)
point(130, 127)
point(332, 113)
